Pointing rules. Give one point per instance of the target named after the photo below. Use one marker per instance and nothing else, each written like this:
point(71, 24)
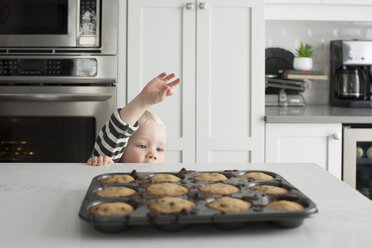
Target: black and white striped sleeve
point(113, 137)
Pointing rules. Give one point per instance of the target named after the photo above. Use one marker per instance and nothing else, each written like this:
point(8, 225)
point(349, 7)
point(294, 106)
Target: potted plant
point(303, 60)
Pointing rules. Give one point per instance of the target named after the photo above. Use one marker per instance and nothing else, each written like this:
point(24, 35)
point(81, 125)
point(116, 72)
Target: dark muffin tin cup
point(201, 214)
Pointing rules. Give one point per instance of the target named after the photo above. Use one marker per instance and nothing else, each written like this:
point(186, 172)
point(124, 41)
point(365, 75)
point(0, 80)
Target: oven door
point(52, 123)
point(38, 23)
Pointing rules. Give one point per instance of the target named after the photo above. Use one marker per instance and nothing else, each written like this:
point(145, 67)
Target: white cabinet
point(217, 48)
point(315, 143)
point(319, 10)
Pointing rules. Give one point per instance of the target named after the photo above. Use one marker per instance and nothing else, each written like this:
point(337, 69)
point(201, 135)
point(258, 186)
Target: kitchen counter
point(40, 204)
point(317, 114)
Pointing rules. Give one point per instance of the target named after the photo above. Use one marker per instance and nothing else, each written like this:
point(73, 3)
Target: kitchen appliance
point(58, 77)
point(52, 123)
point(58, 26)
point(52, 107)
point(351, 65)
point(357, 157)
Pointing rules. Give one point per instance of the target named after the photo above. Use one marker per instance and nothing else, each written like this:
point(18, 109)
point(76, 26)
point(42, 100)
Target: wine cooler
point(357, 157)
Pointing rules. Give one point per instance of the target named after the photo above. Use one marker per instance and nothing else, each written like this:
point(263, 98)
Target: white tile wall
point(289, 34)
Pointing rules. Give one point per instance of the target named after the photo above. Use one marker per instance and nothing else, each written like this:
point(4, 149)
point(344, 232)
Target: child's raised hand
point(159, 88)
point(99, 160)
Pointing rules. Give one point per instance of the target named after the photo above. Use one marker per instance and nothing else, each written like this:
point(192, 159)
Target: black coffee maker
point(351, 64)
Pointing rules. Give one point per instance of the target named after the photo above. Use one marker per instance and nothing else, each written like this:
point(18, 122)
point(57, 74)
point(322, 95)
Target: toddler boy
point(132, 134)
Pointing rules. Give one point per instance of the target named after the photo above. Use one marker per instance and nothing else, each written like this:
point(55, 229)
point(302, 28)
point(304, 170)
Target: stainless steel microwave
point(59, 24)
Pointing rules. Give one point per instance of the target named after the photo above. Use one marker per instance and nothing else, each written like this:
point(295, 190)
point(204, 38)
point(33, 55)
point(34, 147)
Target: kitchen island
point(40, 203)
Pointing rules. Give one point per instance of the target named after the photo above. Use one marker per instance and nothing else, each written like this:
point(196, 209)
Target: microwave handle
point(11, 97)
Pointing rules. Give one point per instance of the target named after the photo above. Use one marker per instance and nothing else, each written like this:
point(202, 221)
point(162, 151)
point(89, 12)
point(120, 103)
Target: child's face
point(146, 145)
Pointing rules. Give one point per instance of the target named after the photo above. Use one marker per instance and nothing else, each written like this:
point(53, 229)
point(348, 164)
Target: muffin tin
point(142, 215)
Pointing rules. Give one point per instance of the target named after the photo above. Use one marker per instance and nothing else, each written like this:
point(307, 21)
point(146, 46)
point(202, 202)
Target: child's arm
point(156, 91)
point(114, 135)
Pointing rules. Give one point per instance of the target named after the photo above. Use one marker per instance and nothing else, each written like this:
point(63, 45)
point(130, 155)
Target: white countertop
point(40, 205)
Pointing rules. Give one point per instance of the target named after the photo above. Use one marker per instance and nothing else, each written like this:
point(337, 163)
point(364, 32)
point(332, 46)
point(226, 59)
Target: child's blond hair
point(149, 117)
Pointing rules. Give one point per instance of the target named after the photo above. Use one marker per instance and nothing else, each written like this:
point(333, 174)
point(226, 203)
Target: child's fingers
point(100, 160)
point(94, 160)
point(89, 161)
point(169, 77)
point(175, 82)
point(161, 75)
point(107, 160)
point(164, 91)
point(170, 91)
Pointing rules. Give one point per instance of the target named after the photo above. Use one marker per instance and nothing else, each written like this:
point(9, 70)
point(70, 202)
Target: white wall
point(289, 34)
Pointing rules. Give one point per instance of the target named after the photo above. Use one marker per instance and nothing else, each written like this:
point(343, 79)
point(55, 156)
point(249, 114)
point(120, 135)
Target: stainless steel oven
point(58, 25)
point(52, 123)
point(58, 77)
point(52, 107)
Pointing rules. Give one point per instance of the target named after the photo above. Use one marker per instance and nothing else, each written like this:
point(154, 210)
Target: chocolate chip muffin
point(219, 188)
point(123, 178)
point(159, 178)
point(111, 208)
point(229, 204)
point(171, 205)
point(167, 189)
point(269, 189)
point(285, 205)
point(257, 176)
point(210, 177)
point(116, 192)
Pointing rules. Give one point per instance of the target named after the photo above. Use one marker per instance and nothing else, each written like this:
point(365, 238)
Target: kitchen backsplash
point(289, 34)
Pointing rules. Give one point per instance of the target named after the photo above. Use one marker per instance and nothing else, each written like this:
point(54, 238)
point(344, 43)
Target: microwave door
point(38, 23)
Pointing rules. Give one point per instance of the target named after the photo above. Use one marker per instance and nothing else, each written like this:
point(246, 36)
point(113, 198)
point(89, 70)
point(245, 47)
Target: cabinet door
point(315, 143)
point(161, 38)
point(230, 82)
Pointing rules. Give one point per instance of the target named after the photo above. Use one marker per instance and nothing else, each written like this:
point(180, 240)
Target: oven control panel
point(76, 67)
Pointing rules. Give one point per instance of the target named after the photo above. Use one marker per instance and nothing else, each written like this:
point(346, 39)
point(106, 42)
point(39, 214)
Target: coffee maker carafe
point(351, 82)
point(351, 63)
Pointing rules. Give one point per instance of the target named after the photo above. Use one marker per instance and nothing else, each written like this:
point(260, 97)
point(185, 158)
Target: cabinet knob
point(202, 5)
point(336, 136)
point(189, 5)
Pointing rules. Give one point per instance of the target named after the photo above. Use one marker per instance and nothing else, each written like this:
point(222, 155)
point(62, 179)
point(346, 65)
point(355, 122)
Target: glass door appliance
point(357, 157)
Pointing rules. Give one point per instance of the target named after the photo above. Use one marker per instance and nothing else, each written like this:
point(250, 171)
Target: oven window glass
point(364, 168)
point(33, 16)
point(46, 139)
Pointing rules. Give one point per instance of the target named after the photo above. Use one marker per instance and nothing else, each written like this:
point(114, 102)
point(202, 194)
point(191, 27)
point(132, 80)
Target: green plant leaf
point(304, 50)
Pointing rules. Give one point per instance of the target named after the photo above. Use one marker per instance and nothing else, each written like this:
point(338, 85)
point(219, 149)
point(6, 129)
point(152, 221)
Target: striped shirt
point(113, 137)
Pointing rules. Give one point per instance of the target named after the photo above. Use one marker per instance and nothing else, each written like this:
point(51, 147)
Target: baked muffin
point(269, 189)
point(219, 188)
point(285, 205)
point(123, 178)
point(229, 204)
point(115, 192)
point(111, 208)
point(210, 177)
point(167, 189)
point(171, 205)
point(159, 178)
point(257, 176)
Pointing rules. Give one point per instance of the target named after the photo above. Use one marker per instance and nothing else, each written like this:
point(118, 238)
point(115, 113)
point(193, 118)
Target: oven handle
point(86, 97)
